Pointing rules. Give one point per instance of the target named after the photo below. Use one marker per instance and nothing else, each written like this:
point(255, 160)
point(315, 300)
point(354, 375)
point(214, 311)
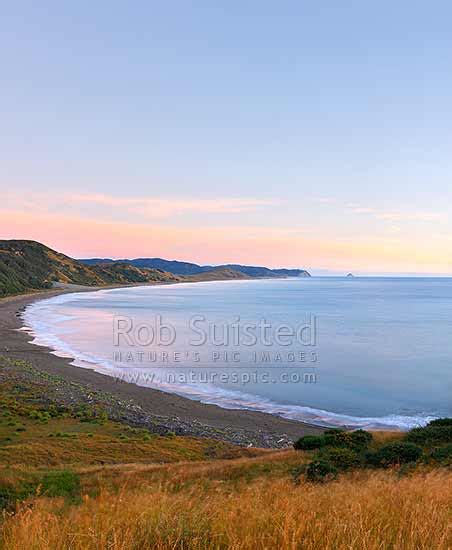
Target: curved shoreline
point(250, 427)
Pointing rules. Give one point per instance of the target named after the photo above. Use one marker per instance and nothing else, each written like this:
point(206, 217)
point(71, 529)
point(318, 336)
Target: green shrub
point(41, 416)
point(10, 494)
point(7, 496)
point(430, 435)
point(309, 442)
point(59, 483)
point(357, 440)
point(335, 437)
point(399, 452)
point(66, 435)
point(341, 458)
point(441, 422)
point(320, 471)
point(62, 483)
point(362, 439)
point(333, 431)
point(442, 454)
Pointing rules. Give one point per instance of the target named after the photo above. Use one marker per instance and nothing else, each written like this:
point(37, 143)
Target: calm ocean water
point(373, 352)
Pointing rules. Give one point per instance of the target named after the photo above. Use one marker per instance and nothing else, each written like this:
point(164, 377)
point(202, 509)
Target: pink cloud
point(79, 237)
point(147, 207)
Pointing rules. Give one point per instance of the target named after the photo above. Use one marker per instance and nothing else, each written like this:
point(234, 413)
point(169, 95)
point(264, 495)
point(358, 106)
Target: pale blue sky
point(336, 115)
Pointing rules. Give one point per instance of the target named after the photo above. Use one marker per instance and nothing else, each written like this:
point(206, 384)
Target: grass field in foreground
point(245, 503)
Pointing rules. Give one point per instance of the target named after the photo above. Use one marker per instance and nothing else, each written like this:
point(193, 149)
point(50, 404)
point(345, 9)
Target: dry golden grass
point(231, 504)
point(117, 477)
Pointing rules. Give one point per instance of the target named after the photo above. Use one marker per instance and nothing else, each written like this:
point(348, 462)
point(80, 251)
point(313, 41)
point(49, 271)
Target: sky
point(296, 133)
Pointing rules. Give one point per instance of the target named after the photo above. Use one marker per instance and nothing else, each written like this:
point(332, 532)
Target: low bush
point(58, 483)
point(11, 494)
point(399, 452)
point(431, 434)
point(361, 438)
point(309, 443)
point(63, 483)
point(442, 455)
point(65, 435)
point(321, 471)
point(358, 440)
point(441, 422)
point(333, 431)
point(334, 437)
point(7, 495)
point(41, 416)
point(341, 458)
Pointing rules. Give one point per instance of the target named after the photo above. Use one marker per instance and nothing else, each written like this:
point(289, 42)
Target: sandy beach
point(143, 406)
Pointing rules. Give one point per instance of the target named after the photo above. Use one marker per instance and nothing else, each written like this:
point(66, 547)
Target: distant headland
point(29, 265)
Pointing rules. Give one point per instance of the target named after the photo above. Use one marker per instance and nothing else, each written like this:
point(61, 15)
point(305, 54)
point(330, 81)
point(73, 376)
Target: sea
point(334, 351)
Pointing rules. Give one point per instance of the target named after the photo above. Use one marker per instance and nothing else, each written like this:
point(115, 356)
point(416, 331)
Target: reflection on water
point(372, 352)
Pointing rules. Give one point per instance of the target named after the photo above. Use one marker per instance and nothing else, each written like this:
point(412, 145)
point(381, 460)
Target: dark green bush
point(320, 471)
point(430, 435)
point(341, 458)
point(309, 442)
point(399, 452)
point(63, 483)
point(361, 438)
point(442, 454)
point(58, 483)
point(333, 431)
point(7, 496)
point(334, 437)
point(357, 440)
point(441, 422)
point(10, 494)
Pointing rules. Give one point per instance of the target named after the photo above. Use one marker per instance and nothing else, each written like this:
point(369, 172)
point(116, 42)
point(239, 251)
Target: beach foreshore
point(139, 406)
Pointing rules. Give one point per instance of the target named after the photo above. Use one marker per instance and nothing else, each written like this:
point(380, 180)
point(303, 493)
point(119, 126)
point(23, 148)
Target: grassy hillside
point(247, 504)
point(260, 272)
point(29, 265)
point(217, 275)
point(126, 274)
point(36, 432)
point(243, 503)
point(189, 269)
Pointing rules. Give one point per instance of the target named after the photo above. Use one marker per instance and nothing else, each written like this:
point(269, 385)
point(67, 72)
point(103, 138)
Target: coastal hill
point(187, 268)
point(29, 265)
point(216, 274)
